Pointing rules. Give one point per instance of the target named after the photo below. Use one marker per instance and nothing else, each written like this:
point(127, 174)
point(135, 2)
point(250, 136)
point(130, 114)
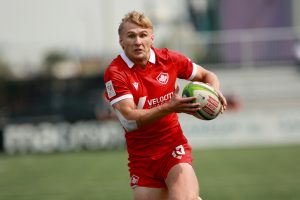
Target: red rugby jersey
point(149, 87)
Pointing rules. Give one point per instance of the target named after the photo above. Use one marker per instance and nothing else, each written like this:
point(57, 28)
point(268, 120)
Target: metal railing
point(244, 48)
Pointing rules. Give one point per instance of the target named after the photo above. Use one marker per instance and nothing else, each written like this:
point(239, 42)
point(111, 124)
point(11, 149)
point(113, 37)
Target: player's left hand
point(221, 97)
point(223, 100)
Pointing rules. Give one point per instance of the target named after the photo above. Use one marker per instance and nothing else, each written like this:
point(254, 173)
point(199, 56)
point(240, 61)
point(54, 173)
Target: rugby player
point(141, 88)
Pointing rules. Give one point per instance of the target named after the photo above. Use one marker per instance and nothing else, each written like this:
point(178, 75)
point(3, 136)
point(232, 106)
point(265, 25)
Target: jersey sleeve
point(186, 69)
point(116, 86)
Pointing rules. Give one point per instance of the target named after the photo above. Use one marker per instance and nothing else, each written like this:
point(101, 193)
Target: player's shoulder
point(117, 68)
point(162, 52)
point(116, 65)
point(165, 53)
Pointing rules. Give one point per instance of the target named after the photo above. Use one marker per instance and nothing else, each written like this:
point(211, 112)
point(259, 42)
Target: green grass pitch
point(270, 173)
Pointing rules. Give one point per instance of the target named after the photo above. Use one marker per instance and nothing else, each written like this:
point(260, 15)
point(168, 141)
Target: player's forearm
point(207, 76)
point(147, 116)
point(129, 115)
point(210, 78)
point(132, 118)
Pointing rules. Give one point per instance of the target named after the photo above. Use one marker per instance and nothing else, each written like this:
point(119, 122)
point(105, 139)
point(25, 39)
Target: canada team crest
point(163, 78)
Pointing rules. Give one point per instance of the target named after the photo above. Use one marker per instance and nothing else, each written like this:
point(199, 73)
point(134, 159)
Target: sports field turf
point(271, 173)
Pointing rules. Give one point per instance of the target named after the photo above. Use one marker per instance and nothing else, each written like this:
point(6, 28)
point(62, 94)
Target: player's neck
point(142, 64)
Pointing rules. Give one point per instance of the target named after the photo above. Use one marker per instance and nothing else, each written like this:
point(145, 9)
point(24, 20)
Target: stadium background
point(60, 140)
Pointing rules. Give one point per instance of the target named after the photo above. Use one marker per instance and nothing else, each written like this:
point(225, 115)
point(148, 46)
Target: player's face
point(136, 43)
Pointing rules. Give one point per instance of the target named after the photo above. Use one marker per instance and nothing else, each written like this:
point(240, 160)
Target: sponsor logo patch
point(110, 89)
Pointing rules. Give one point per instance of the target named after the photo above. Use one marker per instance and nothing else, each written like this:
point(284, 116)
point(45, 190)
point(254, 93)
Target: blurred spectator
point(1, 139)
point(202, 14)
point(103, 110)
point(233, 102)
point(297, 51)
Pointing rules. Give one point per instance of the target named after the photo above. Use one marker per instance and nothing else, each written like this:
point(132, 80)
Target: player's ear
point(121, 42)
point(152, 39)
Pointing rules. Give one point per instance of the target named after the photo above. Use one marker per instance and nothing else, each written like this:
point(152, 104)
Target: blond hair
point(136, 18)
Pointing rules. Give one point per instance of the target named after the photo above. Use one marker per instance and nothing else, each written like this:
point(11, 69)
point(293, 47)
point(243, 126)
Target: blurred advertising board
point(49, 137)
point(244, 128)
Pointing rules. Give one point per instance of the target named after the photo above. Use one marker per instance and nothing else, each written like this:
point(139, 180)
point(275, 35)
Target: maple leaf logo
point(163, 78)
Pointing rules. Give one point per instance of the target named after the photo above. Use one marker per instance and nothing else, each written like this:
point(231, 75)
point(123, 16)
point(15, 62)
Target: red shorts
point(152, 172)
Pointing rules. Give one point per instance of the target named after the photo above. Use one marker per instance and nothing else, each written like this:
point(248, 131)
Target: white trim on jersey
point(129, 125)
point(130, 63)
point(194, 72)
point(141, 102)
point(127, 60)
point(152, 57)
point(126, 96)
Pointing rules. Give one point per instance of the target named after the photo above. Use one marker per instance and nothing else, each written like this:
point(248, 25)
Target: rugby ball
point(207, 97)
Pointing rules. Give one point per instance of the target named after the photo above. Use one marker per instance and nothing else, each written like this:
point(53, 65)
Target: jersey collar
point(130, 63)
